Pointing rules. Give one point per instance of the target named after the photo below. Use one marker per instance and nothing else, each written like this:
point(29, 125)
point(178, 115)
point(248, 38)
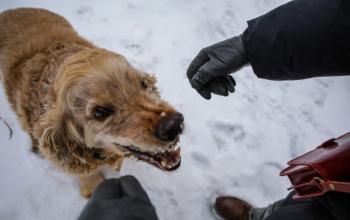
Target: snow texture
point(232, 145)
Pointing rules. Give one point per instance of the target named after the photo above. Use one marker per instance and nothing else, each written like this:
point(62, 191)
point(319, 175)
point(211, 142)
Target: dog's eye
point(101, 113)
point(144, 84)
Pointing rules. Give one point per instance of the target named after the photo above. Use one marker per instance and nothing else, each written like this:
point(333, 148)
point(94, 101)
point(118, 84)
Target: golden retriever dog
point(84, 107)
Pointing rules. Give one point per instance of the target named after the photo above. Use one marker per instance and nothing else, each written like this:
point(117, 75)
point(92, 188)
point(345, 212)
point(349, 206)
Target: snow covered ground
point(235, 145)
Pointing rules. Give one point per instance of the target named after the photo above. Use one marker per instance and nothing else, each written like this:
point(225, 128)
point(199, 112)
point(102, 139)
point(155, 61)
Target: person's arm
point(298, 40)
point(301, 39)
point(119, 199)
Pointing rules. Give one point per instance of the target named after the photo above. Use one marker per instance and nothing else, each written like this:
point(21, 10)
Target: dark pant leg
point(309, 209)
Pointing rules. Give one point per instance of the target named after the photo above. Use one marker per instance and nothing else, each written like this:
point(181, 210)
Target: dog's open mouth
point(168, 160)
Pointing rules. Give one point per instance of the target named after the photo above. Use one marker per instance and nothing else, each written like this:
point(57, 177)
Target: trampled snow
point(232, 145)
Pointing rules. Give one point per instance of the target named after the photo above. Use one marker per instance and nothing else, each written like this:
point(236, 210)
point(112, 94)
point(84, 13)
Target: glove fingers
point(117, 188)
point(203, 76)
point(230, 83)
point(108, 189)
point(122, 198)
point(197, 62)
point(226, 82)
point(204, 92)
point(232, 80)
point(131, 187)
point(132, 208)
point(218, 87)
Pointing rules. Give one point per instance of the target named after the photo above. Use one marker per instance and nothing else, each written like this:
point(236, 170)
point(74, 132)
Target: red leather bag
point(324, 169)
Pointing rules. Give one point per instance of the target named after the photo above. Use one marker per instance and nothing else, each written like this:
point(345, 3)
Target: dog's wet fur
point(84, 107)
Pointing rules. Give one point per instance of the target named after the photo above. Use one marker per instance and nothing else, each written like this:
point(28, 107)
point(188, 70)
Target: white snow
point(232, 145)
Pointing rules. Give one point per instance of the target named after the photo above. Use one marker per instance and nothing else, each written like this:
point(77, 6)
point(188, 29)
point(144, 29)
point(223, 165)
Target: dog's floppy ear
point(60, 135)
point(62, 142)
point(58, 131)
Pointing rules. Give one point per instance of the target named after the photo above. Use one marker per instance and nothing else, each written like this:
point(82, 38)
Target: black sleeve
point(301, 39)
point(119, 199)
point(336, 203)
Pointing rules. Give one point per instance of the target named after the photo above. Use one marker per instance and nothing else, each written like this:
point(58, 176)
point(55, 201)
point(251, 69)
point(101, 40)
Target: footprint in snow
point(85, 12)
point(224, 134)
point(200, 159)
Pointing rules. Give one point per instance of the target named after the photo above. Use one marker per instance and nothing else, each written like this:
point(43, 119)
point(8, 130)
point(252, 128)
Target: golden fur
point(53, 79)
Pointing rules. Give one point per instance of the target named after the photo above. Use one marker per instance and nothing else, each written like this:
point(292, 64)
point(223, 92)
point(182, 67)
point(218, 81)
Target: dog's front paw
point(89, 183)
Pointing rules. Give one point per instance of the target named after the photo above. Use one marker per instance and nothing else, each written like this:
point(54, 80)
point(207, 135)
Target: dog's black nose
point(169, 127)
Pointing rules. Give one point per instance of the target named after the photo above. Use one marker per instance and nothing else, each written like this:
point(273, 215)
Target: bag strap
point(334, 185)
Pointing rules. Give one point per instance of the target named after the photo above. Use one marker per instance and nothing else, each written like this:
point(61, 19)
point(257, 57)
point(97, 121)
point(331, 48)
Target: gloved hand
point(122, 199)
point(208, 72)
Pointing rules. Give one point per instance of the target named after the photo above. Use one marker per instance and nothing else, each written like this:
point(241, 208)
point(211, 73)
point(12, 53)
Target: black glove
point(122, 199)
point(208, 72)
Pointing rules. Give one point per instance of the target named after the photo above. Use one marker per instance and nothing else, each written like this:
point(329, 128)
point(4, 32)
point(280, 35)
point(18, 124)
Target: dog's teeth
point(164, 163)
point(182, 126)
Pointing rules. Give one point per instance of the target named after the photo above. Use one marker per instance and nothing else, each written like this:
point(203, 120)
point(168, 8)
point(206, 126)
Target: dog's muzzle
point(169, 127)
